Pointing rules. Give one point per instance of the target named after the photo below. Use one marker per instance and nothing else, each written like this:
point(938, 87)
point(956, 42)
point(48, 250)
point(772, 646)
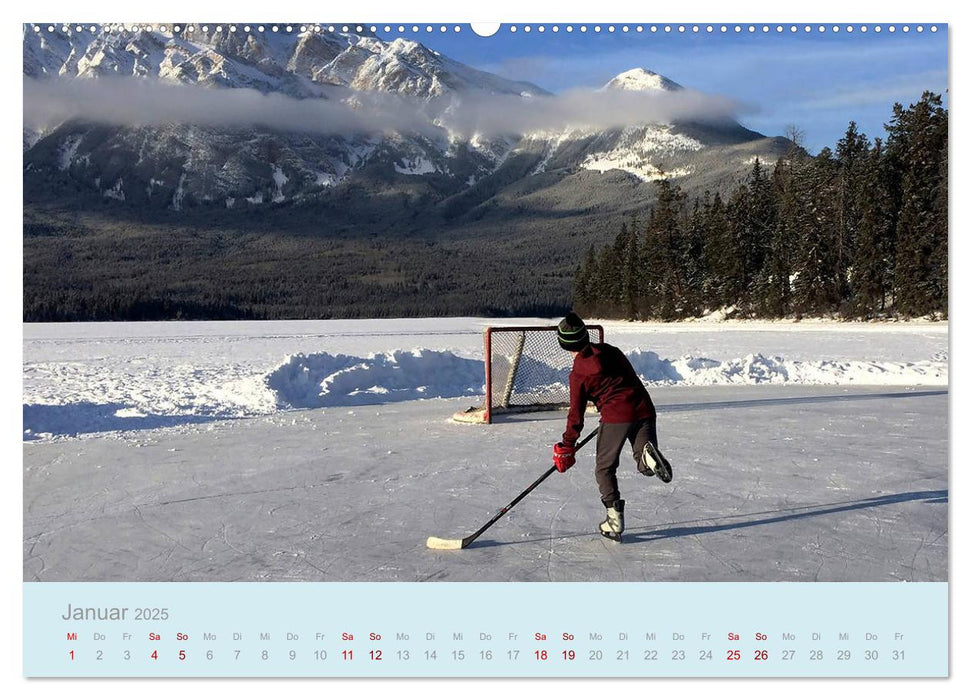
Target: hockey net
point(525, 370)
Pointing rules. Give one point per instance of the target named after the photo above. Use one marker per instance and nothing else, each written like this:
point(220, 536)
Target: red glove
point(563, 456)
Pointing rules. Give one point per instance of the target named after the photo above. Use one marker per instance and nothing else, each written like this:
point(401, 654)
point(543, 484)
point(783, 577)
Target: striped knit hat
point(572, 333)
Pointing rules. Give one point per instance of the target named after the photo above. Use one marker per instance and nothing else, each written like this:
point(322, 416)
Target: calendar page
point(386, 349)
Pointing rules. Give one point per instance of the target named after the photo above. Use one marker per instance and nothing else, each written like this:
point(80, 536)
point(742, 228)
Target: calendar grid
point(477, 629)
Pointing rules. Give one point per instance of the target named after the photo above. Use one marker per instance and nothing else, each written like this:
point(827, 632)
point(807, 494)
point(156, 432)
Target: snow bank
point(759, 369)
point(322, 379)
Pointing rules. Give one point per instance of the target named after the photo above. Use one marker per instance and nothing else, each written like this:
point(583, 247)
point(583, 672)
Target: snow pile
point(322, 379)
point(73, 398)
point(759, 369)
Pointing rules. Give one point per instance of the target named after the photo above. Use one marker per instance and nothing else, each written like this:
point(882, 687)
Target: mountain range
point(539, 194)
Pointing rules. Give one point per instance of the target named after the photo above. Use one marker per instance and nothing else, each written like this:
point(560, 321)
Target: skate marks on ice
point(684, 529)
point(646, 536)
point(837, 490)
point(853, 487)
point(767, 517)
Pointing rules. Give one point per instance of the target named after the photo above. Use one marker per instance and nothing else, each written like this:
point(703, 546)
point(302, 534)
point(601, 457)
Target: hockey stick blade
point(440, 543)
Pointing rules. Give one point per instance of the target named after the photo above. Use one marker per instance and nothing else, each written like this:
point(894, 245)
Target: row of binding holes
point(414, 29)
point(711, 29)
point(289, 28)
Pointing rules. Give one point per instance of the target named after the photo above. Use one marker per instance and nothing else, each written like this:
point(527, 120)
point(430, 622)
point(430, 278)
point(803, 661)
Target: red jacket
point(603, 374)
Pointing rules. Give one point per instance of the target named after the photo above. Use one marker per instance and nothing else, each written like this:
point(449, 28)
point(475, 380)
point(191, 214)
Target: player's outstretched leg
point(613, 526)
point(653, 463)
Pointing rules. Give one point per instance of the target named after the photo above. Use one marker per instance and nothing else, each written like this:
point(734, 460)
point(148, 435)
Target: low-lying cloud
point(139, 102)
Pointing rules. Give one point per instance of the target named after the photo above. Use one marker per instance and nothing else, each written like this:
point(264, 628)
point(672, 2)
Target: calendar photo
point(410, 304)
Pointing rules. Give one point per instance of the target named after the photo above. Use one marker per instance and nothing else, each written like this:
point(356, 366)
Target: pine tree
point(940, 217)
point(585, 298)
point(778, 288)
point(872, 261)
point(629, 261)
point(607, 280)
point(735, 282)
point(694, 296)
point(918, 140)
point(664, 245)
point(816, 287)
point(851, 153)
point(717, 254)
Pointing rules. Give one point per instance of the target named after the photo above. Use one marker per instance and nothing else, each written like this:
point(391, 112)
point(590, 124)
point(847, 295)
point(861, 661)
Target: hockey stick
point(440, 543)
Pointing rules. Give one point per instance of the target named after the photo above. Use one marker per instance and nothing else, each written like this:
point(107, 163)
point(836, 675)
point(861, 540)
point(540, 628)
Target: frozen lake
point(169, 457)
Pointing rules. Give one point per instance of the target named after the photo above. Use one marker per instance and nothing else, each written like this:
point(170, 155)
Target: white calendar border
point(484, 11)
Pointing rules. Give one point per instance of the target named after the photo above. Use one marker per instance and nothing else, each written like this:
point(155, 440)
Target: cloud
point(137, 102)
point(584, 108)
point(134, 102)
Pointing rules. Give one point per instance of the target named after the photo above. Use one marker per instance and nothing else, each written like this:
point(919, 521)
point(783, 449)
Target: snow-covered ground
point(96, 377)
point(323, 451)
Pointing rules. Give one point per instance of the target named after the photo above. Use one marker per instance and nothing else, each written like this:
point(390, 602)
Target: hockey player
point(602, 373)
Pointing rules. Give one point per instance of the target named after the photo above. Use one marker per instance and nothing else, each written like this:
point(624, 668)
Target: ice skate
point(613, 526)
point(653, 463)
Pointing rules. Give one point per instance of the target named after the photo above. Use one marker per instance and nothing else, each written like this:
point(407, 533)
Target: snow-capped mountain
point(641, 79)
point(177, 166)
point(301, 64)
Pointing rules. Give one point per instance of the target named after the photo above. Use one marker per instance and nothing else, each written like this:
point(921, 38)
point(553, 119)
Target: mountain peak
point(642, 79)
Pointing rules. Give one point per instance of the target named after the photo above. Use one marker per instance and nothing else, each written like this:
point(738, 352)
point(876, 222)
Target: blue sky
point(817, 81)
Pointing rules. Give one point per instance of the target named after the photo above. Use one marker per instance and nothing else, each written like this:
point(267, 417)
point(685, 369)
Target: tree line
point(859, 231)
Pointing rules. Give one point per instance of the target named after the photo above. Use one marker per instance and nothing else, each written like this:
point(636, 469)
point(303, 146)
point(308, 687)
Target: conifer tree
point(758, 230)
point(664, 244)
point(630, 284)
point(717, 253)
point(732, 266)
point(851, 153)
point(585, 297)
point(815, 184)
point(693, 260)
point(778, 287)
point(607, 278)
point(918, 139)
point(872, 261)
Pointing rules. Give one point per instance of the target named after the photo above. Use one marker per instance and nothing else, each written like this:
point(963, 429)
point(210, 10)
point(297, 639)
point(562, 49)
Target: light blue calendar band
point(488, 629)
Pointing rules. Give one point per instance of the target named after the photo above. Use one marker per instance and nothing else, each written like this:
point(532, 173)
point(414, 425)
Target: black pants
point(610, 442)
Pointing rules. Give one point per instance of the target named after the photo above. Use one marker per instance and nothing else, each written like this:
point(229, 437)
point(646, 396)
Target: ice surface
point(771, 484)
